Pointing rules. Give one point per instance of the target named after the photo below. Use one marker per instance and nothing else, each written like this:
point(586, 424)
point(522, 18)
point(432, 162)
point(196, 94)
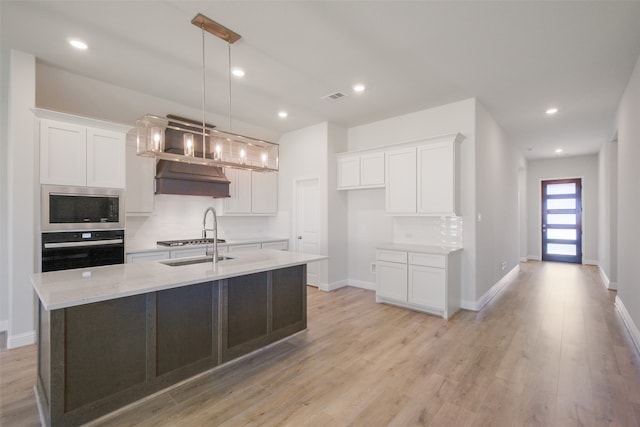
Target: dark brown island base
point(96, 357)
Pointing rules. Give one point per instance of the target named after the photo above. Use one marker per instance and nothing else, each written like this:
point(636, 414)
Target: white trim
point(590, 262)
point(328, 287)
point(524, 259)
point(362, 284)
point(4, 325)
point(491, 293)
point(608, 284)
point(534, 257)
point(14, 341)
point(628, 322)
point(604, 278)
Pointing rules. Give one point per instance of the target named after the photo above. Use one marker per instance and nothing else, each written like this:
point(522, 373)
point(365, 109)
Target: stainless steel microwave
point(81, 208)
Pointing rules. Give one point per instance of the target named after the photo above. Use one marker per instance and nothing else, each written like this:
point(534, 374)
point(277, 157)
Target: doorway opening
point(562, 220)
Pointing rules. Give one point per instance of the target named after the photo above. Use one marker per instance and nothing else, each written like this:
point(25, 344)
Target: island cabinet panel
point(186, 327)
point(245, 314)
point(289, 301)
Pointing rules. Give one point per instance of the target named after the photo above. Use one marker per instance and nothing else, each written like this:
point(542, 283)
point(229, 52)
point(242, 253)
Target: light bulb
point(243, 156)
point(157, 139)
point(187, 139)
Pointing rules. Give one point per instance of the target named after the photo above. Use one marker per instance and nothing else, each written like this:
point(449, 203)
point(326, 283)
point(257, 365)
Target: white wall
point(19, 196)
point(303, 154)
point(522, 209)
point(607, 212)
point(585, 167)
point(60, 90)
point(336, 209)
point(367, 223)
point(628, 127)
point(497, 222)
point(4, 189)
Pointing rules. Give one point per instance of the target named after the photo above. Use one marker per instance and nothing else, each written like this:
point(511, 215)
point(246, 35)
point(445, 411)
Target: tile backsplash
point(436, 231)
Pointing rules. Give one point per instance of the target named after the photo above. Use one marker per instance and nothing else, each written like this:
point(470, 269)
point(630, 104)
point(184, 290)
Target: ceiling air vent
point(333, 96)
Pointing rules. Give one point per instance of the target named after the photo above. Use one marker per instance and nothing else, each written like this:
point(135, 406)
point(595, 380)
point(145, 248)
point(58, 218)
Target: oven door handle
point(82, 244)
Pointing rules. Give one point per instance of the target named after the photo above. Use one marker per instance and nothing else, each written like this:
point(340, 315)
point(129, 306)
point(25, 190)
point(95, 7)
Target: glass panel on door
point(562, 220)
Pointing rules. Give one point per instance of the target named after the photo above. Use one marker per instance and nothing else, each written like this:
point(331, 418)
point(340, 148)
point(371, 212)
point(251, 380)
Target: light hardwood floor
point(549, 350)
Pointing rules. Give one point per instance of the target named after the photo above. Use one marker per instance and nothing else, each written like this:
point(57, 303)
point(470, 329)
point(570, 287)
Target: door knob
point(299, 237)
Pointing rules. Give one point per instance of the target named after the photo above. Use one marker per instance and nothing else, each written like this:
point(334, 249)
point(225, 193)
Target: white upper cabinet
point(63, 153)
point(264, 193)
point(438, 183)
point(239, 190)
point(400, 196)
point(105, 159)
point(363, 170)
point(72, 154)
point(252, 193)
point(424, 179)
point(140, 175)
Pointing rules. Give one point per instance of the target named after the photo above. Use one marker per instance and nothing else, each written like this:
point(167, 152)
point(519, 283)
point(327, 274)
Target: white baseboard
point(628, 322)
point(4, 325)
point(328, 287)
point(524, 259)
point(608, 284)
point(362, 284)
point(491, 293)
point(590, 262)
point(14, 341)
point(534, 257)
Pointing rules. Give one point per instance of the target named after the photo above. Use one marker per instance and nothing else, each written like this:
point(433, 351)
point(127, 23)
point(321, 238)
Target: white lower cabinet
point(420, 281)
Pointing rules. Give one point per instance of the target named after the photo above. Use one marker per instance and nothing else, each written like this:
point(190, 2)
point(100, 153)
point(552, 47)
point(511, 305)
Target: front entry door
point(562, 220)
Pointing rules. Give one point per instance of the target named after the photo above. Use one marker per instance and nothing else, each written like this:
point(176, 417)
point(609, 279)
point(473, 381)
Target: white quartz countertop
point(424, 249)
point(68, 288)
point(153, 247)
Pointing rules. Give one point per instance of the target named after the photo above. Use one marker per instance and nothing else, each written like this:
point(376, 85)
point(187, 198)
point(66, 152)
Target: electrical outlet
point(503, 265)
point(373, 267)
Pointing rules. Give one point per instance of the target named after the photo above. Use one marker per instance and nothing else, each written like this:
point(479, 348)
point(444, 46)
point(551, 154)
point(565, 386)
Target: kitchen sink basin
point(181, 262)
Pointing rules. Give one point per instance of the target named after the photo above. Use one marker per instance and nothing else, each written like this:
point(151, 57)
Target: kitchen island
point(111, 335)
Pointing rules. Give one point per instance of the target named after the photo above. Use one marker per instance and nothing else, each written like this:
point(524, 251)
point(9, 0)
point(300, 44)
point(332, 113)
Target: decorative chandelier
point(202, 143)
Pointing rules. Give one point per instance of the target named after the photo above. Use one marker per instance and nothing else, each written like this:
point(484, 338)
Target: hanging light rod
point(216, 29)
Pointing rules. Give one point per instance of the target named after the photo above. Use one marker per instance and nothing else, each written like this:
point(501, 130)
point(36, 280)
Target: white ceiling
point(517, 58)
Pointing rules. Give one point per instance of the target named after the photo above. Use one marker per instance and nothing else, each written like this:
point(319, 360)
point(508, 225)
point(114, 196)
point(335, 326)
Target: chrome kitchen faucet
point(215, 233)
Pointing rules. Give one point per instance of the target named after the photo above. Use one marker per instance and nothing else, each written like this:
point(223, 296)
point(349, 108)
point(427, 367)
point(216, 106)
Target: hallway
point(549, 350)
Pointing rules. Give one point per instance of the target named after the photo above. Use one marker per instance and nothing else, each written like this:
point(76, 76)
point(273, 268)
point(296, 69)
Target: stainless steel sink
point(190, 261)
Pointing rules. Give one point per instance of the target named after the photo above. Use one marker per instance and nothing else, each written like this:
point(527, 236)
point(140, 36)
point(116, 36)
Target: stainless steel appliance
point(67, 208)
point(78, 249)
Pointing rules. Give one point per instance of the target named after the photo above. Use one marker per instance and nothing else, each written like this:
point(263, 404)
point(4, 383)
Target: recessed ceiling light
point(283, 114)
point(551, 111)
point(359, 87)
point(78, 44)
point(238, 72)
point(558, 150)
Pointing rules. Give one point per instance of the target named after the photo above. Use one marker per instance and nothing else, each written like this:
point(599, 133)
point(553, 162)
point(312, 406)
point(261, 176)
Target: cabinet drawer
point(427, 260)
point(391, 256)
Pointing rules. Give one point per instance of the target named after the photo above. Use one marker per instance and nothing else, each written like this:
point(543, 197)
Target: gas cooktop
point(188, 242)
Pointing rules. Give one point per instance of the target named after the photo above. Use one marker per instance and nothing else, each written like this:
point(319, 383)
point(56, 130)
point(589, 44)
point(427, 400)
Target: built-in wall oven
point(81, 227)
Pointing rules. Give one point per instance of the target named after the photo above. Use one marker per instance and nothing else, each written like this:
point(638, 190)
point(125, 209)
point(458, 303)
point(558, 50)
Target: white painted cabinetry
point(72, 154)
point(400, 195)
point(280, 245)
point(264, 193)
point(252, 193)
point(424, 179)
point(421, 281)
point(391, 267)
point(361, 170)
point(140, 175)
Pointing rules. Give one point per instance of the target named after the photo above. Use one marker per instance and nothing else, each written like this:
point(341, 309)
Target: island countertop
point(68, 288)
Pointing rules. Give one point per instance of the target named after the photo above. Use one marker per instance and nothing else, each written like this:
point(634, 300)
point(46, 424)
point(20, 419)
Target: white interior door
point(307, 226)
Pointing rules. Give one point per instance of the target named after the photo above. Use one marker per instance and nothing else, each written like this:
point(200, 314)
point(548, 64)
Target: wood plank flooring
point(549, 350)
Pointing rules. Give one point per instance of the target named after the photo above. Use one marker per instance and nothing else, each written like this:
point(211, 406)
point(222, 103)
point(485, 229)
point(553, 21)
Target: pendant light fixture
point(201, 143)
